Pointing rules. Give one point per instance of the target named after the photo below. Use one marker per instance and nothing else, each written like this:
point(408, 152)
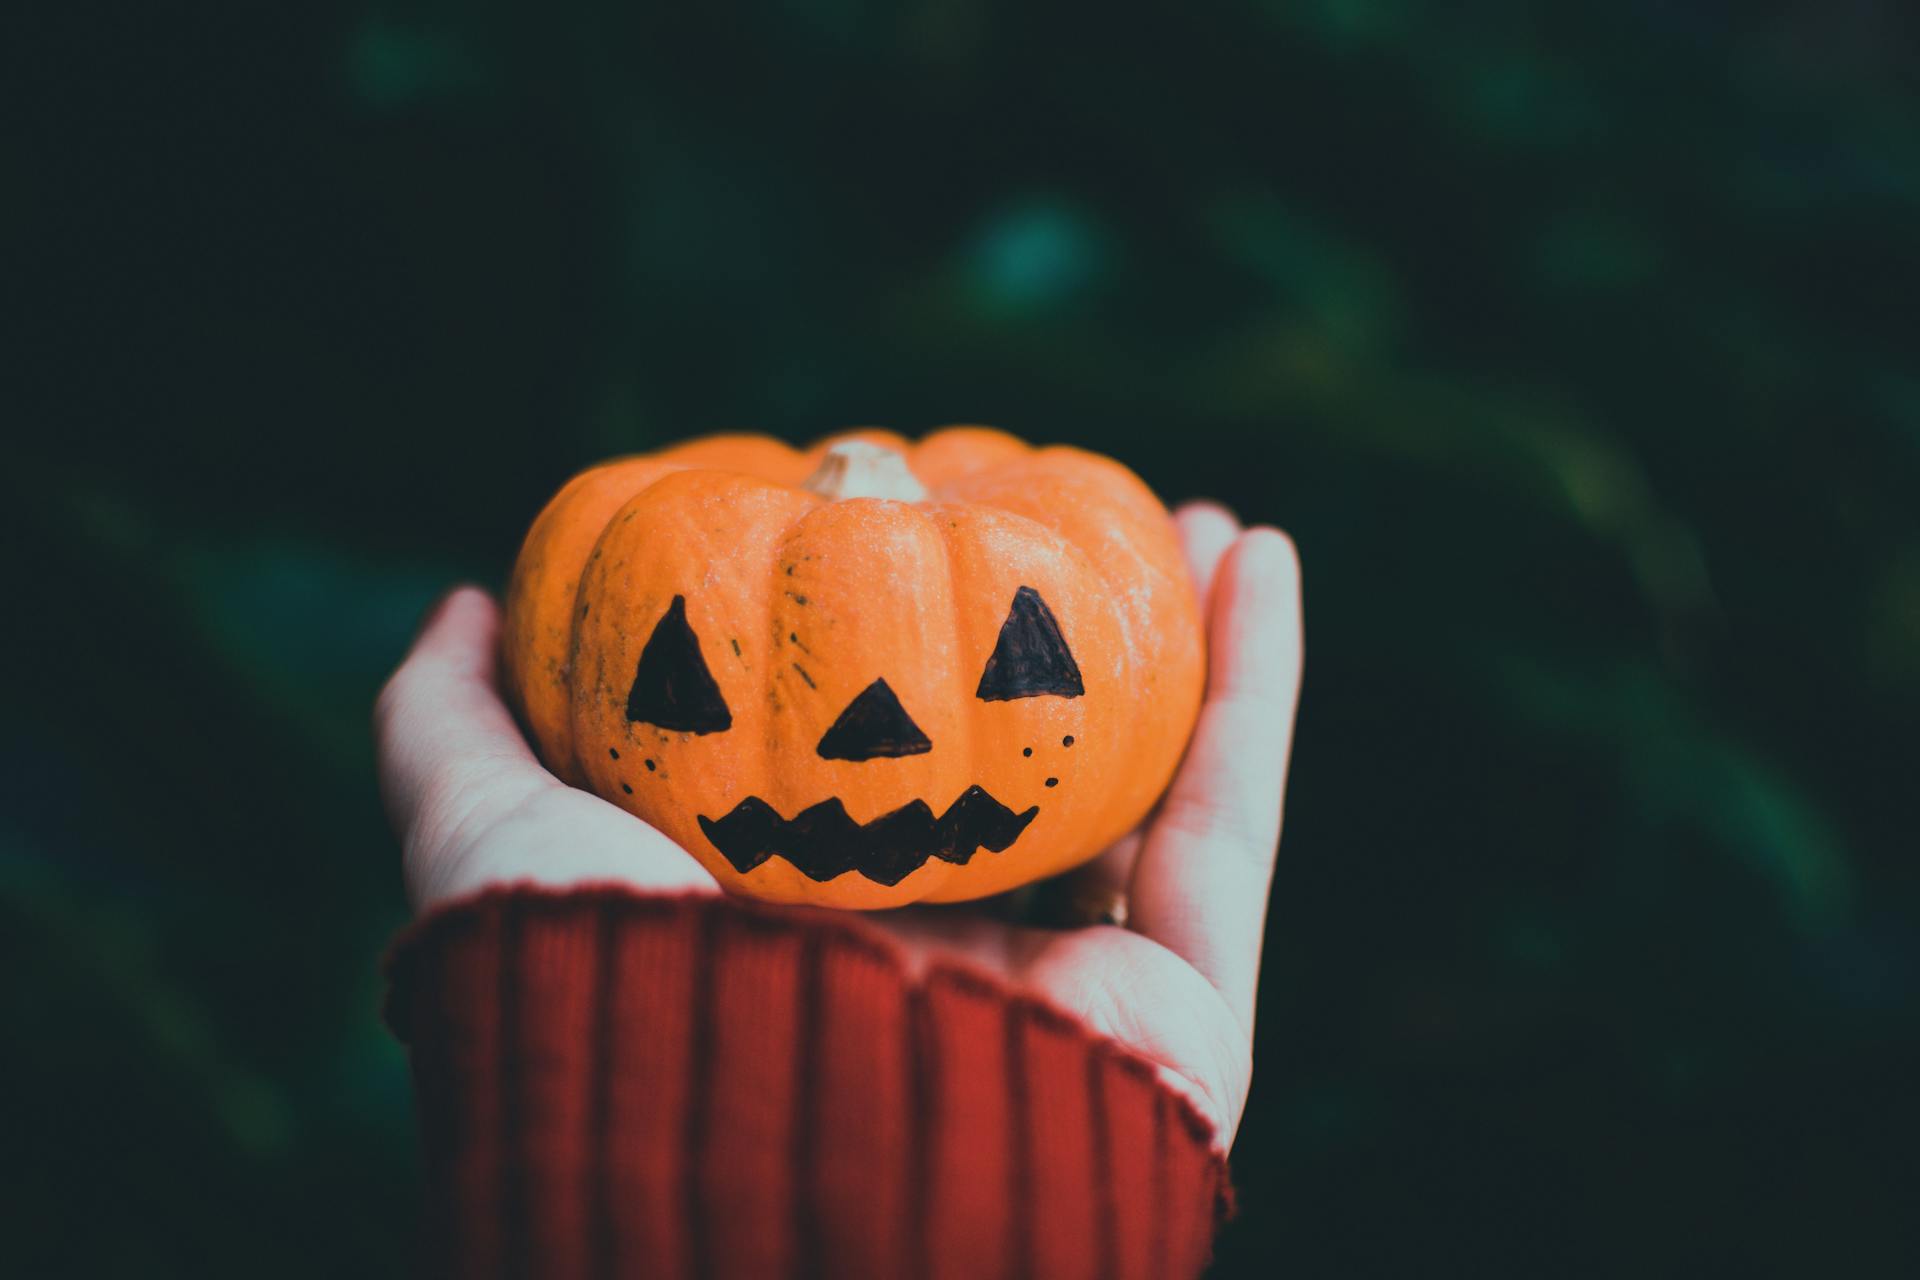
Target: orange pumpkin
point(864, 674)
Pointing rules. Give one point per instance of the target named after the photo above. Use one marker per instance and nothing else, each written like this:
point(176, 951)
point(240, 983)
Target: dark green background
point(1575, 343)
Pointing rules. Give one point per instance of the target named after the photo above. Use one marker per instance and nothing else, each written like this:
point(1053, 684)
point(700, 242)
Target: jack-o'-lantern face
point(674, 689)
point(862, 701)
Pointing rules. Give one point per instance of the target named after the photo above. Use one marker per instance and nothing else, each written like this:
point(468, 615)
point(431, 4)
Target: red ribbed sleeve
point(615, 1084)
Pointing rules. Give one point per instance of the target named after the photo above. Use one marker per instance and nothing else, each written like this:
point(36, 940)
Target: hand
point(1176, 985)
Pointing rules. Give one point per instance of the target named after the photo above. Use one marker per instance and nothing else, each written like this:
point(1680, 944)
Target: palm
point(1176, 986)
point(1119, 983)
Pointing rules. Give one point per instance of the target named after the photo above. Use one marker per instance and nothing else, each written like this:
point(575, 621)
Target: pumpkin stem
point(857, 469)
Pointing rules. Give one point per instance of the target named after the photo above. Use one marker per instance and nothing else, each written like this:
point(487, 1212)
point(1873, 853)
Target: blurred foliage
point(1575, 344)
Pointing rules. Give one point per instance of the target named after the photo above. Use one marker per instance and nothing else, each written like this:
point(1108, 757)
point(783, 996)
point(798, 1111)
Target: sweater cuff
point(615, 1083)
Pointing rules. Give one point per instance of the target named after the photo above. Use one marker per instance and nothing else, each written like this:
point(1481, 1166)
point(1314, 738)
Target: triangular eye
point(1032, 657)
point(672, 687)
point(874, 724)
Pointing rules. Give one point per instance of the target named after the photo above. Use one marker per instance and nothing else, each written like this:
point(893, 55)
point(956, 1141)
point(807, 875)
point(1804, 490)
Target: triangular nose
point(874, 724)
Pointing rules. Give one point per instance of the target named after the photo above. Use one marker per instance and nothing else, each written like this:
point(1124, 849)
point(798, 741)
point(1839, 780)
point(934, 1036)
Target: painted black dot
point(614, 752)
point(624, 787)
point(651, 766)
point(1053, 782)
point(1026, 751)
point(1067, 741)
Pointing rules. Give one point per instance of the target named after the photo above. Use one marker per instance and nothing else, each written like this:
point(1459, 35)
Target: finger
point(1207, 529)
point(1201, 885)
point(447, 746)
point(1097, 892)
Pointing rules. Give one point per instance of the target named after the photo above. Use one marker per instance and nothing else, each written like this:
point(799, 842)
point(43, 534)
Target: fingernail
point(1201, 500)
point(1273, 545)
point(1268, 561)
point(434, 610)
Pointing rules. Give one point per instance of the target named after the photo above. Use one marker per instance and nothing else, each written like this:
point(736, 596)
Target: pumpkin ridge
point(956, 594)
point(943, 492)
point(1144, 581)
point(809, 542)
point(983, 535)
point(581, 604)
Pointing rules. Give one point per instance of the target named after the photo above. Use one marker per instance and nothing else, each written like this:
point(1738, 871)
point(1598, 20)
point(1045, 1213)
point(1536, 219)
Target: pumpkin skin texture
point(834, 696)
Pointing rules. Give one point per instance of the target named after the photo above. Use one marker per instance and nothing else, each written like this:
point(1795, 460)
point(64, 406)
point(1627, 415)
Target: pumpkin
point(863, 674)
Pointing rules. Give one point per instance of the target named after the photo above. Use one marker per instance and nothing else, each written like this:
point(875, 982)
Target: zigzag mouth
point(822, 842)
